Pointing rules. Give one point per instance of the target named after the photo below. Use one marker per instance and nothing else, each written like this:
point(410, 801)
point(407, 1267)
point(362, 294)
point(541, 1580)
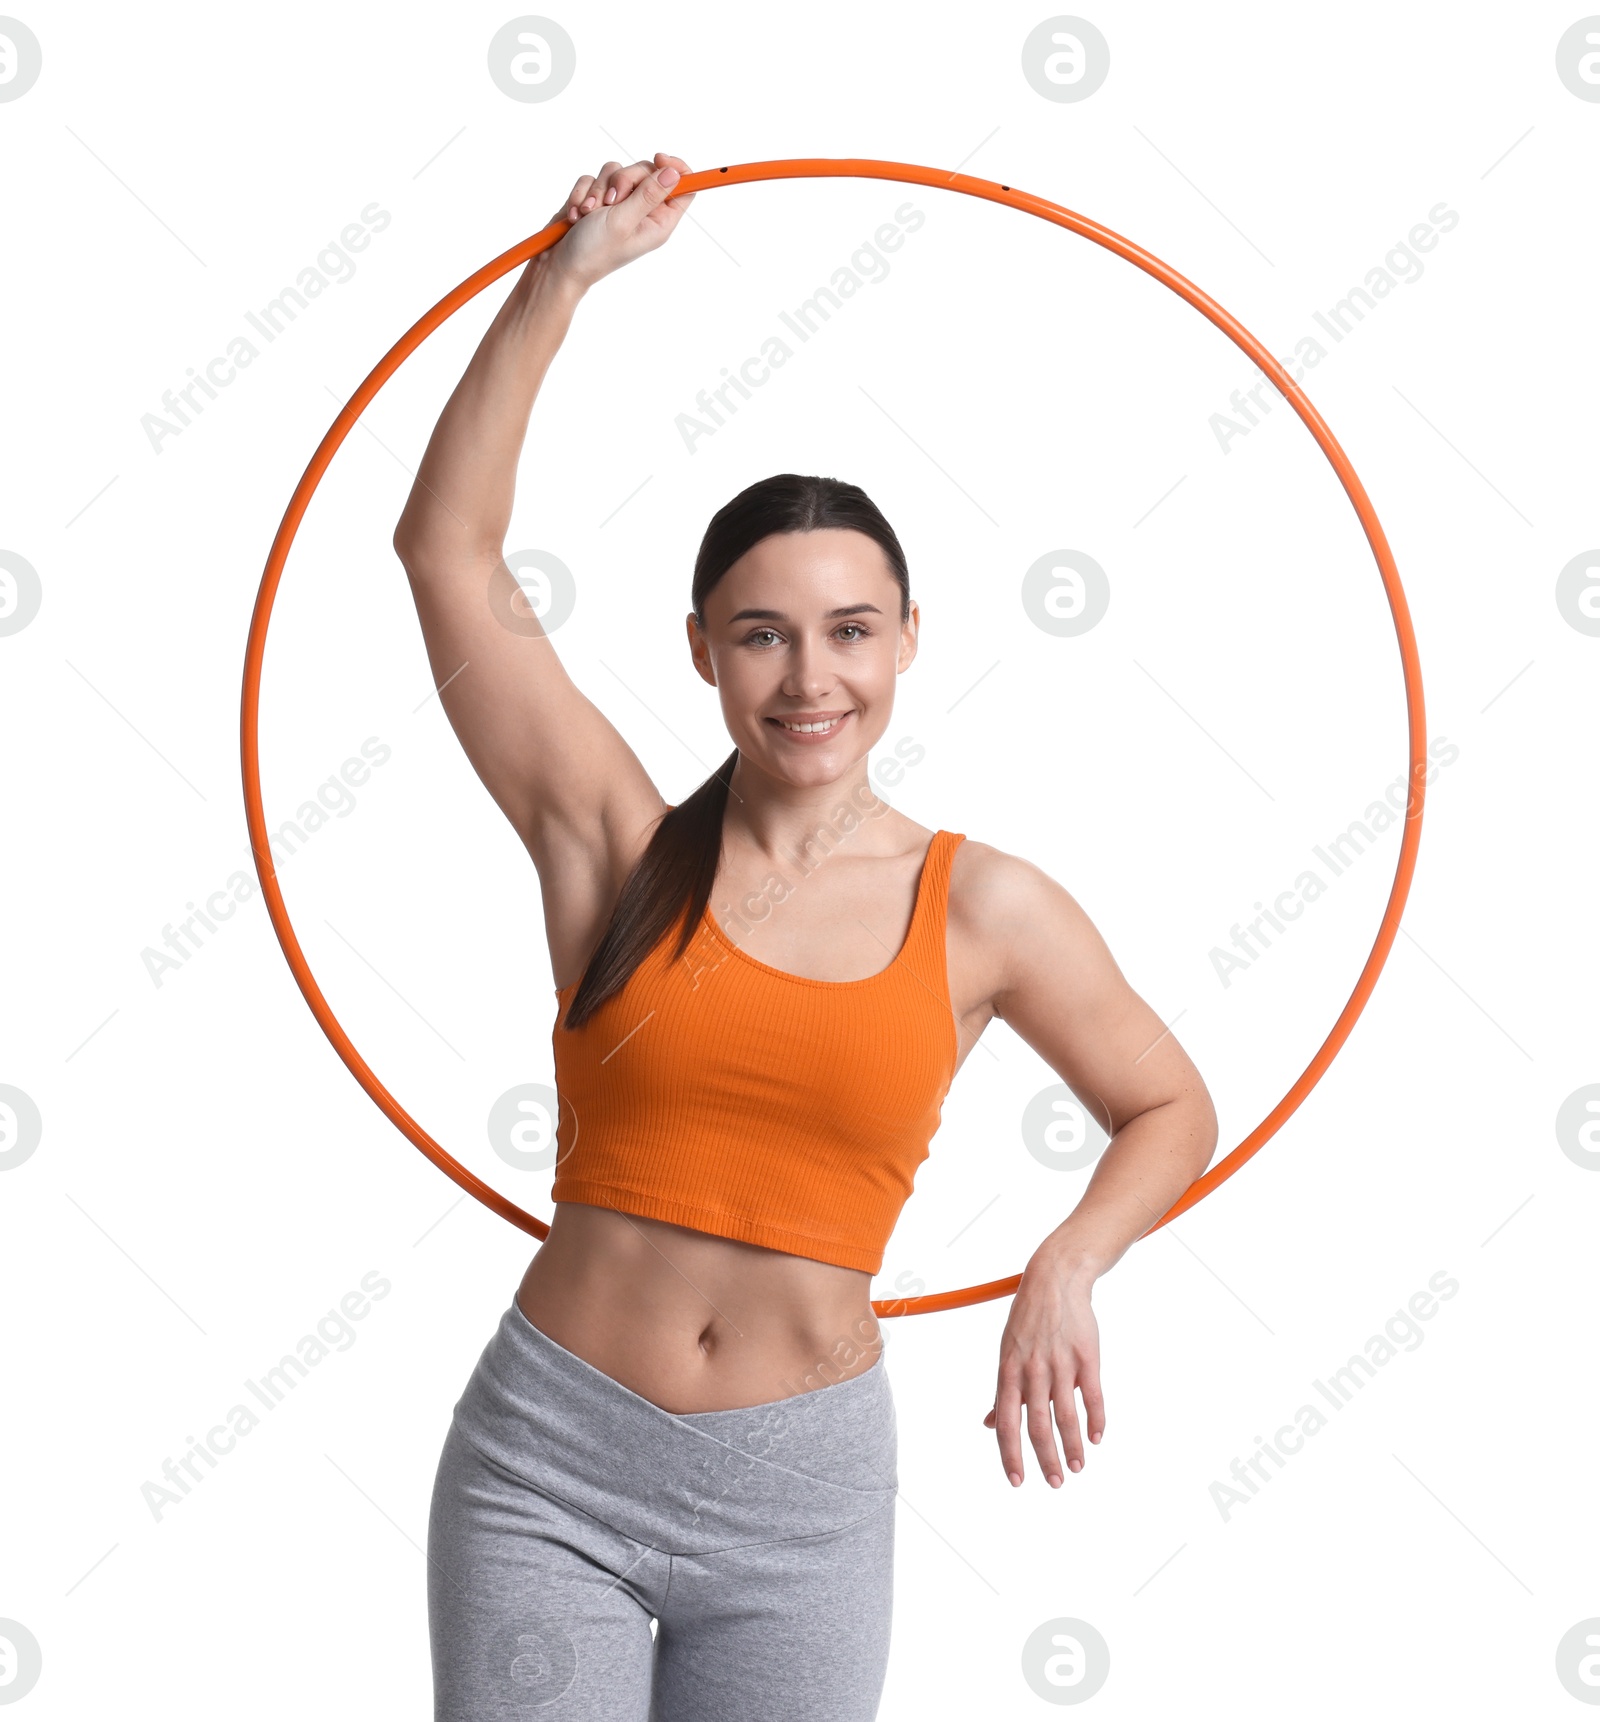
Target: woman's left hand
point(1050, 1347)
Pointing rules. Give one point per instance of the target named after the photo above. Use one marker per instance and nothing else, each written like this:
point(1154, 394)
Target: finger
point(1037, 1392)
point(597, 188)
point(625, 179)
point(1067, 1422)
point(1007, 1415)
point(606, 182)
point(644, 204)
point(680, 203)
point(1094, 1404)
point(580, 190)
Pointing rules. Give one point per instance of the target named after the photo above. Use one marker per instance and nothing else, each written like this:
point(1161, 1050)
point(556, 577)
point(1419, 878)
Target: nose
point(807, 675)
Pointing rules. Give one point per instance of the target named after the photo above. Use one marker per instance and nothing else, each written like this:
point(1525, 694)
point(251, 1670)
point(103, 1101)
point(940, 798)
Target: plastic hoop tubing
point(743, 174)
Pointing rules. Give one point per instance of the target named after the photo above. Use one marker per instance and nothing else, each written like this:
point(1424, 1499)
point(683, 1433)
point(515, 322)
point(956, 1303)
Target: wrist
point(551, 283)
point(1070, 1258)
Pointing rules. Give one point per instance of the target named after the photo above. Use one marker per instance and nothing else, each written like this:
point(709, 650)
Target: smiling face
point(804, 629)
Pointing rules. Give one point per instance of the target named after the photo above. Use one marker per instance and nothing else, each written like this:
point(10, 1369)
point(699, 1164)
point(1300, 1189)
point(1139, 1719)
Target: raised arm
point(572, 788)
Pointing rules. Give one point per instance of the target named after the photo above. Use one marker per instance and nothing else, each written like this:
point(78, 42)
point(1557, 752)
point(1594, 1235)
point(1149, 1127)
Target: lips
point(831, 724)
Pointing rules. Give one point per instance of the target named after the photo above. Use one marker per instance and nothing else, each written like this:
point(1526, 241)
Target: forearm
point(465, 486)
point(1145, 1168)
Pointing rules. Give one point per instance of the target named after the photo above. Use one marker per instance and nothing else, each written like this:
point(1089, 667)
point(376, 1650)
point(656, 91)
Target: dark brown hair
point(679, 865)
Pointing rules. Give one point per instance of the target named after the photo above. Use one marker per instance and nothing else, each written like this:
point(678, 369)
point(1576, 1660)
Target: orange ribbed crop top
point(722, 1094)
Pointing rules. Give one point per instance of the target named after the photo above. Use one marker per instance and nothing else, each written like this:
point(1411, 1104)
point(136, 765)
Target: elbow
point(1208, 1133)
point(410, 532)
point(424, 549)
point(409, 549)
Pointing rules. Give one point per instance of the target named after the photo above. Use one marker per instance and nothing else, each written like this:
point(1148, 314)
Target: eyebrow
point(778, 615)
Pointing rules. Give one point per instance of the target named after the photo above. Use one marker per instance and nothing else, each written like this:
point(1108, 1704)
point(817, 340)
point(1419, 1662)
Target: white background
point(211, 1180)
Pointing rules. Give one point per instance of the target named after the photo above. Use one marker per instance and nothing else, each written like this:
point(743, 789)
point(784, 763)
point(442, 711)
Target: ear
point(908, 637)
point(699, 650)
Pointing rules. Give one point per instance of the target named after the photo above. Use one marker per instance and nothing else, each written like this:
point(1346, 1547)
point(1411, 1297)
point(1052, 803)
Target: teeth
point(810, 728)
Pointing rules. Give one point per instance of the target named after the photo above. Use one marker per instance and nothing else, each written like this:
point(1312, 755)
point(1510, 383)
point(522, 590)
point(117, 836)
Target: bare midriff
point(694, 1322)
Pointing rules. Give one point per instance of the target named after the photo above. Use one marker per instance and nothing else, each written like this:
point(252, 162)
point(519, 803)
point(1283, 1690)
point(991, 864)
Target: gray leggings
point(569, 1513)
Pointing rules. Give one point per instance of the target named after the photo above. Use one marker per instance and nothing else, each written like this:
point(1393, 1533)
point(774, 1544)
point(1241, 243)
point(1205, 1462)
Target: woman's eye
point(759, 636)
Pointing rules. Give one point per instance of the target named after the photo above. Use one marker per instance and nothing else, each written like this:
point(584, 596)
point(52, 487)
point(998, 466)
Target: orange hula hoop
point(743, 174)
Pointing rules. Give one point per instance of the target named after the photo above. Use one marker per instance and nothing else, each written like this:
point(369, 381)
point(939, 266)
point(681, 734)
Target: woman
point(668, 1489)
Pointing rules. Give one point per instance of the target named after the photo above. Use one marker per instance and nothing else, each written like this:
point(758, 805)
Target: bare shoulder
point(984, 878)
point(1015, 921)
point(1030, 955)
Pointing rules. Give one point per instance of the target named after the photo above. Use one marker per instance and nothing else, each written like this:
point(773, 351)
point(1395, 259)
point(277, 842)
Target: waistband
point(684, 1483)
